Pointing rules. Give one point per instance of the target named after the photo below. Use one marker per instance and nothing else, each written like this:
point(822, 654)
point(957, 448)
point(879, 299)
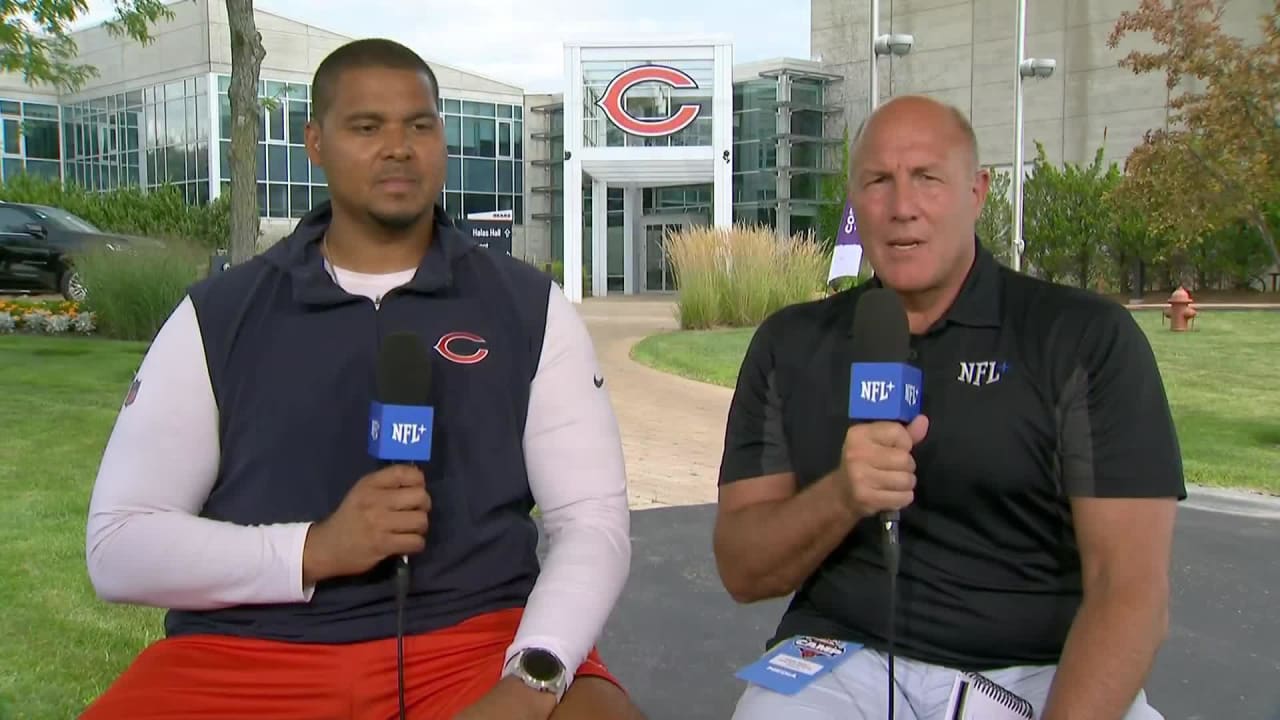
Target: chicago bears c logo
point(614, 107)
point(463, 348)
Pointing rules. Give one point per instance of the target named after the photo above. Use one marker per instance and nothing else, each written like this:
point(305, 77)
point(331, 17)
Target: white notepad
point(976, 697)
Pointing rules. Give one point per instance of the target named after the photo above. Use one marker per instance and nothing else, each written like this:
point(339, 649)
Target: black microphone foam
point(404, 370)
point(880, 331)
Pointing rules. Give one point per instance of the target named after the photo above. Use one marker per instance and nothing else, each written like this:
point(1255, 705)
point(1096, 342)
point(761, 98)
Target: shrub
point(162, 213)
point(132, 293)
point(739, 276)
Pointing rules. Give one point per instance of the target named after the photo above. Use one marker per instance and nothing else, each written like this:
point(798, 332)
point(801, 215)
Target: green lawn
point(59, 645)
point(1222, 382)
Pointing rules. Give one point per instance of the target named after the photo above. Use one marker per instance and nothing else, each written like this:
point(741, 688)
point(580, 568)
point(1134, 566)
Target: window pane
point(519, 178)
point(299, 200)
point(319, 195)
point(202, 161)
point(479, 175)
point(278, 200)
point(193, 122)
point(12, 137)
point(478, 108)
point(176, 160)
point(453, 181)
point(504, 176)
point(504, 139)
point(262, 161)
point(479, 137)
point(472, 203)
point(224, 169)
point(44, 168)
point(297, 122)
point(277, 163)
point(453, 204)
point(299, 164)
point(175, 126)
point(453, 134)
point(42, 139)
point(224, 117)
point(276, 122)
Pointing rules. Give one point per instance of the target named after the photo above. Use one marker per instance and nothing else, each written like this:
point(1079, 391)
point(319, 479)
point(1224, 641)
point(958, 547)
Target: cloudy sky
point(519, 41)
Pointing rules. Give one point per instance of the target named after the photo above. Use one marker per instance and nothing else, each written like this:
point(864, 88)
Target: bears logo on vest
point(613, 102)
point(454, 348)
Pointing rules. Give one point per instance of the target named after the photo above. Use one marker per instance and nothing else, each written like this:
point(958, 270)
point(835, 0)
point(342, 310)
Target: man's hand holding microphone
point(877, 471)
point(384, 515)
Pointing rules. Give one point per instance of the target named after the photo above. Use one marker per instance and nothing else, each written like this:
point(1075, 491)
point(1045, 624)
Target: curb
point(1233, 502)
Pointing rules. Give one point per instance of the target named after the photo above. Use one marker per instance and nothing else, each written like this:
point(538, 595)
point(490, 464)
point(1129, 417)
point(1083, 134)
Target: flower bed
point(45, 317)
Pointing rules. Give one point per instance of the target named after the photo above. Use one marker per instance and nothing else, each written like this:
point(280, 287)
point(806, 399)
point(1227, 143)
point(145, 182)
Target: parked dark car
point(38, 244)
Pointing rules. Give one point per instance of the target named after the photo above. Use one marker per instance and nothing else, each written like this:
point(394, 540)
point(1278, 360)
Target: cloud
point(520, 43)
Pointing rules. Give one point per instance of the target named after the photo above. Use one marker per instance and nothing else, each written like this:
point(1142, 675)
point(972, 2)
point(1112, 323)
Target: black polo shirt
point(1035, 393)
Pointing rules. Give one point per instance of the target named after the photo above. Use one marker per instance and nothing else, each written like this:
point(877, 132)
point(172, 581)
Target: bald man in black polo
point(1037, 490)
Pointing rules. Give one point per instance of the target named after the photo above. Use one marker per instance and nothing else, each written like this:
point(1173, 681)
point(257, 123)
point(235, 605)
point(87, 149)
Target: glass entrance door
point(659, 275)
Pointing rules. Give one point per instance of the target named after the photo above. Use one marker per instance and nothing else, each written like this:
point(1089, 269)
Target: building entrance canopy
point(638, 115)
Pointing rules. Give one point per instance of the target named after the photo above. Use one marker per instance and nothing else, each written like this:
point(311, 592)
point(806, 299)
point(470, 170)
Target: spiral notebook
point(976, 697)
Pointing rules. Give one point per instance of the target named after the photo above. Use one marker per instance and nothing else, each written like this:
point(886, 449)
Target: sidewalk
point(672, 427)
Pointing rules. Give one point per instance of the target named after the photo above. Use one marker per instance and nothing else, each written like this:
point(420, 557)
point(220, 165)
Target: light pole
point(1024, 68)
point(898, 44)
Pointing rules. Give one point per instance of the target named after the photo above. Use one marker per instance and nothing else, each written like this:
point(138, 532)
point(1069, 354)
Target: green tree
point(834, 193)
point(1067, 221)
point(1218, 163)
point(35, 37)
point(995, 224)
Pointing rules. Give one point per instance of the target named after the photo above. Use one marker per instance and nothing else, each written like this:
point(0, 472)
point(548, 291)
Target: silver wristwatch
point(540, 670)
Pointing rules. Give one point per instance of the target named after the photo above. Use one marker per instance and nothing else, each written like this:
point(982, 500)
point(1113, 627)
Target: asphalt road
point(676, 637)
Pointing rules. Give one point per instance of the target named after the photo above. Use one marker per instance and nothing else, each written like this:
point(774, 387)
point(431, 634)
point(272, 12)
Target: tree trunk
point(246, 64)
point(1259, 223)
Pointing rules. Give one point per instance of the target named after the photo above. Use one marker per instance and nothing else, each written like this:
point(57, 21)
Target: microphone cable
point(402, 595)
point(891, 556)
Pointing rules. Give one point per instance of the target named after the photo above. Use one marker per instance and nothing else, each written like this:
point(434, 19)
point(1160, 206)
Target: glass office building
point(164, 135)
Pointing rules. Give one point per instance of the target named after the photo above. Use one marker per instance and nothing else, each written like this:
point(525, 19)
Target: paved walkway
point(672, 428)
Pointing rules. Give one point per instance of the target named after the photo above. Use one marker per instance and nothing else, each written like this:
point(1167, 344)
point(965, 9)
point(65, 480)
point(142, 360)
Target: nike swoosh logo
point(599, 381)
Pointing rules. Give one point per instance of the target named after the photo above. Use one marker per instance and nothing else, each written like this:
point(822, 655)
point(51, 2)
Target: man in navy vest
point(237, 492)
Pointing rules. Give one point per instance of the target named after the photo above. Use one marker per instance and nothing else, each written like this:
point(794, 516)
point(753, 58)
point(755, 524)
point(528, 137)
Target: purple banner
point(846, 260)
point(848, 233)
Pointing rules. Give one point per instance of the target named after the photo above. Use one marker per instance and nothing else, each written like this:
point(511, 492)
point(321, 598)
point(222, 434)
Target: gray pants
point(856, 690)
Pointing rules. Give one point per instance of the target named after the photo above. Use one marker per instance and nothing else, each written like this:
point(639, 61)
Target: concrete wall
point(964, 55)
point(537, 233)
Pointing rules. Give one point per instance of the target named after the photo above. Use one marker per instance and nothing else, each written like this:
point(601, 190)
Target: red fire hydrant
point(1181, 312)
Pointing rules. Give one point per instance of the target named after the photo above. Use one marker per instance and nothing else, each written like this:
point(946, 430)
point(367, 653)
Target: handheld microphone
point(884, 387)
point(401, 420)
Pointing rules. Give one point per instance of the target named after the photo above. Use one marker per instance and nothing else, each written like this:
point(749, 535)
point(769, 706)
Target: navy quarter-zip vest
point(291, 360)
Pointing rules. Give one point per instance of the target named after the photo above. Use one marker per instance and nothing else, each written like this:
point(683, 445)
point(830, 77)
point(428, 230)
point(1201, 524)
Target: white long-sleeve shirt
point(146, 543)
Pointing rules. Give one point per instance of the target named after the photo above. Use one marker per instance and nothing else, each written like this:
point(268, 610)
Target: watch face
point(541, 665)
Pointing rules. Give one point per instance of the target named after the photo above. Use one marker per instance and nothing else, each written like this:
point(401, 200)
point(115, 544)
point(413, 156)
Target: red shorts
point(200, 677)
